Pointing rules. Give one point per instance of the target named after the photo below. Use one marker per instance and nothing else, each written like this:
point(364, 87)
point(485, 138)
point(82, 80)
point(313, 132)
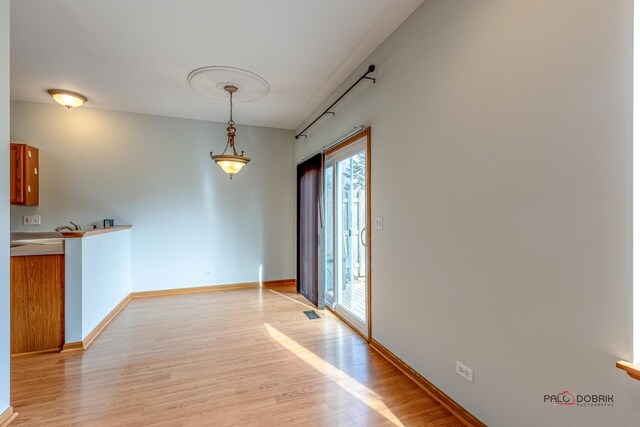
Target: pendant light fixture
point(230, 163)
point(234, 84)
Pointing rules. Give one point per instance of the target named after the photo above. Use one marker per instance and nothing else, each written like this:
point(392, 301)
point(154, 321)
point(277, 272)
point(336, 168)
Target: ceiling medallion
point(212, 81)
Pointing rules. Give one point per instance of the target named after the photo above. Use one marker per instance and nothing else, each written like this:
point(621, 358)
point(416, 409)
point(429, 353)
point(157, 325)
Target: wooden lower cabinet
point(37, 303)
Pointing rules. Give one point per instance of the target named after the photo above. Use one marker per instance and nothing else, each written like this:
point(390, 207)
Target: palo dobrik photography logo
point(567, 398)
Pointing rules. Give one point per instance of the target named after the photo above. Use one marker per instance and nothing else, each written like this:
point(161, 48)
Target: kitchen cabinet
point(37, 303)
point(24, 175)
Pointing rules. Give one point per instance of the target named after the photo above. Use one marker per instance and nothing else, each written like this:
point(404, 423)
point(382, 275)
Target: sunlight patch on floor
point(291, 299)
point(358, 390)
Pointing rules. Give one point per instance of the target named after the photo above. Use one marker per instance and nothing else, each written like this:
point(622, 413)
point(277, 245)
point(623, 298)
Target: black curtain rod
point(371, 69)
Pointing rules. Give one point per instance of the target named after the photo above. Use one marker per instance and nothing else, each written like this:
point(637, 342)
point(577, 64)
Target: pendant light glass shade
point(230, 163)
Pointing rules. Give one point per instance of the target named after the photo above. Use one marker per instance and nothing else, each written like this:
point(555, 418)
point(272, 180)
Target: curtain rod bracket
point(365, 76)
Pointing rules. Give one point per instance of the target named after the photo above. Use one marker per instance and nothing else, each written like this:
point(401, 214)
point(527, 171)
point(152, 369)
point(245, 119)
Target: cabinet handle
point(35, 170)
point(29, 188)
point(29, 151)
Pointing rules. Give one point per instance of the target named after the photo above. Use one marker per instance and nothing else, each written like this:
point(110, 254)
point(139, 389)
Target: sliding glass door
point(329, 246)
point(346, 233)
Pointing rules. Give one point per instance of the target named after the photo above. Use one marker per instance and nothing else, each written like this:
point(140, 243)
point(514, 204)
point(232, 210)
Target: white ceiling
point(135, 56)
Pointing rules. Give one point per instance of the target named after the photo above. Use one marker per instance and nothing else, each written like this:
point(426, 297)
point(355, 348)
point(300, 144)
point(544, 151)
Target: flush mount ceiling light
point(234, 84)
point(67, 98)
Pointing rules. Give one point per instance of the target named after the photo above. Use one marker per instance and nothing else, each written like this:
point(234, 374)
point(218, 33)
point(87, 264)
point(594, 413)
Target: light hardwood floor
point(240, 357)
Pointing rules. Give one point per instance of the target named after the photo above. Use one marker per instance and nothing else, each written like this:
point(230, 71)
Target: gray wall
point(4, 205)
point(501, 162)
point(155, 173)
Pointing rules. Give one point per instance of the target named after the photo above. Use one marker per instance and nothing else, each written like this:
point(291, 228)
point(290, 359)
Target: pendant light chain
point(231, 130)
point(230, 123)
point(231, 109)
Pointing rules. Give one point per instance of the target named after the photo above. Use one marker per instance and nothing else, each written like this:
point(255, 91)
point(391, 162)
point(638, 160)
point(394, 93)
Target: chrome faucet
point(76, 227)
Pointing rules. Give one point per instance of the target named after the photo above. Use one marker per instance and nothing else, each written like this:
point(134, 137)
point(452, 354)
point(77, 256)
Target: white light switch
point(31, 220)
point(378, 223)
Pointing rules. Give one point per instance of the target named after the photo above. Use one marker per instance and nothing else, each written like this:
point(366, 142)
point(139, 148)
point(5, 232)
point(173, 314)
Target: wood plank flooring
point(246, 357)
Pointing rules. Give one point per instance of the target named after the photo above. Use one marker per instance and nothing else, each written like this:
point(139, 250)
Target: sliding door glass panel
point(350, 229)
point(328, 235)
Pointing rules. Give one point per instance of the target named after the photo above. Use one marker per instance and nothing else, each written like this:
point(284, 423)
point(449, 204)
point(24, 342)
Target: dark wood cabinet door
point(31, 187)
point(17, 174)
point(37, 303)
point(25, 180)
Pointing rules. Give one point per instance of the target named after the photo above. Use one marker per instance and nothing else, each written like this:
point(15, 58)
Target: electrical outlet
point(31, 220)
point(464, 371)
point(208, 273)
point(378, 223)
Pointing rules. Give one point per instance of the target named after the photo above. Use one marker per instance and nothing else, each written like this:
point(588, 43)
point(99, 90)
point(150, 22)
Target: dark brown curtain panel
point(309, 188)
